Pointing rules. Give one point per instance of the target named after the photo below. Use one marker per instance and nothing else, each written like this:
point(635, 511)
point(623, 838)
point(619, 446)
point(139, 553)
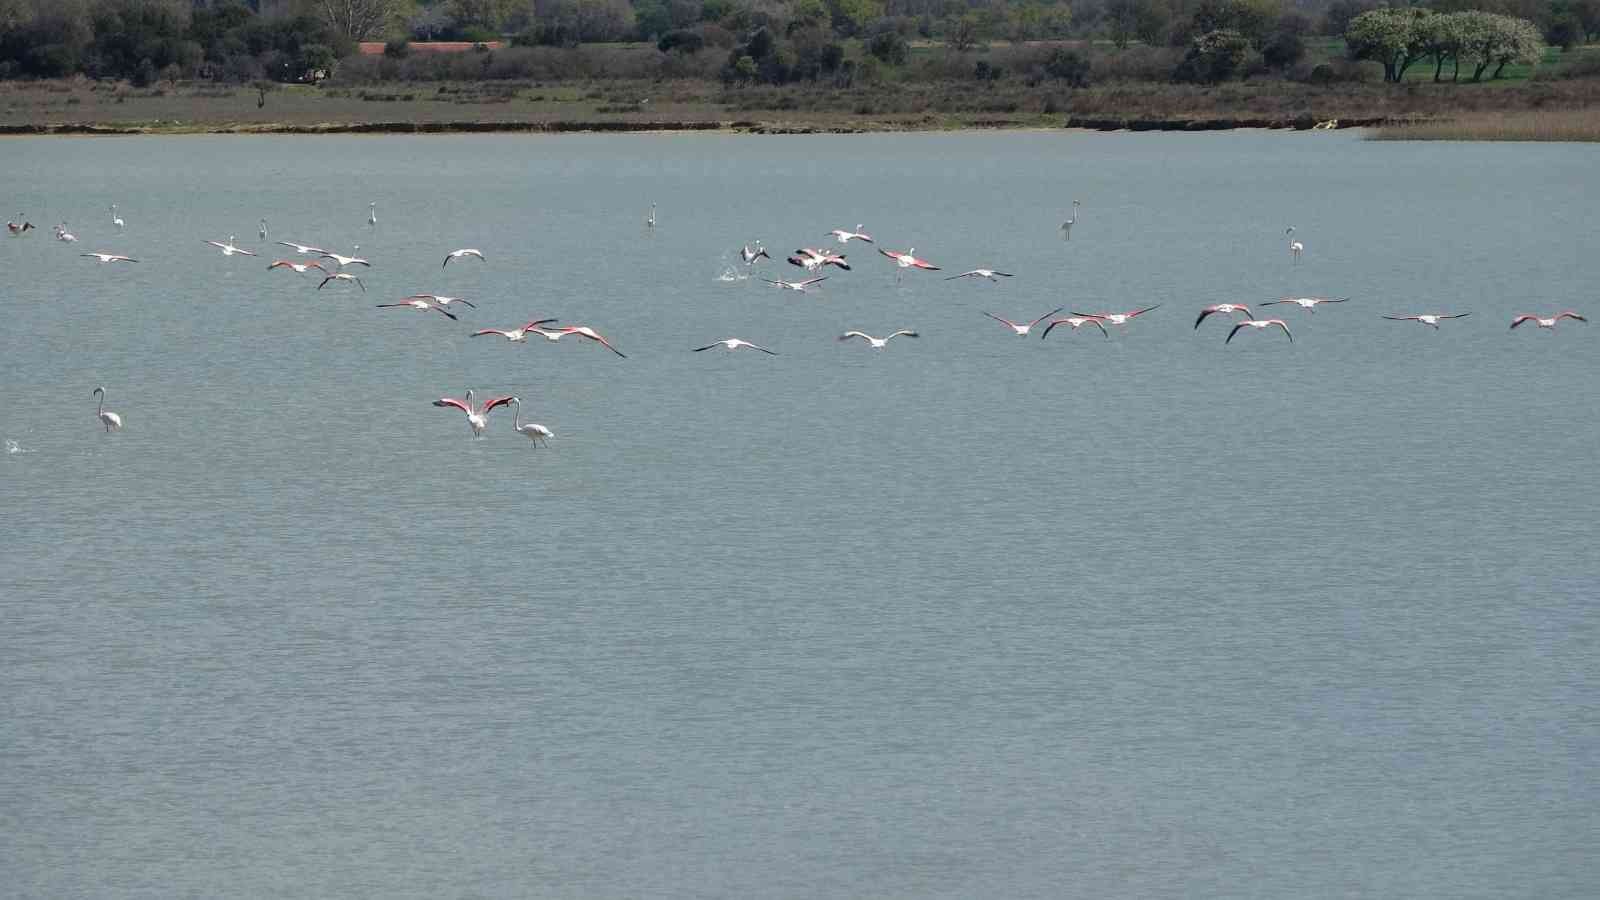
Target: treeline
point(1400, 38)
point(143, 40)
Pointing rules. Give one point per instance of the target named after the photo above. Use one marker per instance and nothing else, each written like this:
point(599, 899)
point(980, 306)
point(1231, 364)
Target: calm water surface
point(976, 616)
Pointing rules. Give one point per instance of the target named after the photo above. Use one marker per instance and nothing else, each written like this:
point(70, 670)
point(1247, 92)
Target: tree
point(889, 47)
point(359, 20)
point(1146, 20)
point(1068, 66)
point(1285, 47)
point(965, 33)
point(1393, 37)
point(1214, 56)
point(1495, 40)
point(1443, 37)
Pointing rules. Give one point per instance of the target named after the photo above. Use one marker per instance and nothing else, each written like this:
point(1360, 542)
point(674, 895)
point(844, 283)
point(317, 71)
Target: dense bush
point(889, 48)
point(1212, 57)
point(1068, 66)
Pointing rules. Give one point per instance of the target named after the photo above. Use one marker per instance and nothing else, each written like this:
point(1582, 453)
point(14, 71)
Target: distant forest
point(768, 41)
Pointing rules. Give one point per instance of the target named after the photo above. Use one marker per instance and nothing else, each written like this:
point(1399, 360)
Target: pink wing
point(451, 401)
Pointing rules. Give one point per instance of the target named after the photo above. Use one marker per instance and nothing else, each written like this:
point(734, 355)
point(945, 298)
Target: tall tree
point(359, 20)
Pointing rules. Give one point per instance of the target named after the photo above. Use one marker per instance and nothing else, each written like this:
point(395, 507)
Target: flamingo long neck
point(470, 409)
point(102, 407)
point(516, 420)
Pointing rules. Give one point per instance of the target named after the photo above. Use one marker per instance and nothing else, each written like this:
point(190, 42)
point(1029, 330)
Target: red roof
point(375, 48)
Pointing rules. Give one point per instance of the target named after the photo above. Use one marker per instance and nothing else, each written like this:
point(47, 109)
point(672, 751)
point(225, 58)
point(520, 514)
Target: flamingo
point(735, 344)
point(457, 254)
point(1021, 329)
point(1547, 323)
point(445, 301)
point(845, 237)
point(110, 257)
point(750, 256)
point(62, 234)
point(908, 260)
point(345, 276)
point(1295, 247)
point(304, 249)
point(1118, 318)
point(262, 231)
point(228, 249)
point(517, 335)
point(1428, 318)
point(585, 331)
point(1066, 227)
point(116, 219)
point(346, 260)
point(876, 343)
point(109, 419)
point(19, 230)
point(419, 305)
point(477, 416)
point(795, 285)
point(1260, 323)
point(1076, 322)
point(1306, 302)
point(534, 431)
point(981, 273)
point(1225, 309)
point(300, 267)
point(811, 259)
point(372, 214)
point(650, 220)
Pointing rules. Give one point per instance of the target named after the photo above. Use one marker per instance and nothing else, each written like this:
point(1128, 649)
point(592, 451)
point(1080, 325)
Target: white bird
point(845, 237)
point(62, 234)
point(109, 419)
point(734, 344)
point(262, 230)
point(990, 274)
point(1260, 324)
point(109, 257)
point(1547, 323)
point(585, 331)
point(1066, 227)
point(517, 335)
point(346, 260)
point(1427, 318)
point(812, 259)
point(228, 249)
point(345, 276)
point(457, 254)
point(1117, 318)
point(1076, 322)
point(372, 214)
point(417, 304)
point(304, 249)
point(301, 268)
point(795, 285)
point(876, 343)
point(650, 220)
point(1305, 302)
point(750, 256)
point(1295, 247)
point(445, 301)
point(477, 416)
point(533, 430)
point(1225, 309)
point(908, 260)
point(1022, 329)
point(116, 219)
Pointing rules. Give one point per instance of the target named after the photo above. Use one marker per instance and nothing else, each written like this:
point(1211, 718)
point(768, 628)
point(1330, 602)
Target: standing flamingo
point(262, 231)
point(116, 219)
point(372, 214)
point(477, 416)
point(109, 419)
point(650, 220)
point(533, 430)
point(1295, 247)
point(1066, 227)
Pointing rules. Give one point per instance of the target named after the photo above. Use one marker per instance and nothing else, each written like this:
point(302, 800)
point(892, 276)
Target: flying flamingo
point(1260, 323)
point(1225, 309)
point(876, 343)
point(109, 419)
point(585, 331)
point(419, 305)
point(346, 276)
point(1066, 227)
point(1428, 318)
point(1020, 329)
point(981, 273)
point(750, 256)
point(812, 260)
point(845, 237)
point(304, 249)
point(18, 230)
point(228, 249)
point(1076, 322)
point(300, 267)
point(346, 260)
point(477, 416)
point(534, 431)
point(1306, 302)
point(908, 260)
point(117, 220)
point(734, 344)
point(457, 254)
point(796, 285)
point(445, 301)
point(1547, 323)
point(1117, 318)
point(109, 257)
point(1295, 247)
point(517, 335)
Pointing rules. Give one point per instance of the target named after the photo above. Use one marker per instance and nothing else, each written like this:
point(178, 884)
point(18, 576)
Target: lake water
point(975, 616)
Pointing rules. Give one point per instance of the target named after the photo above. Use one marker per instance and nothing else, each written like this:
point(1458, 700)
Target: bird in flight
point(734, 344)
point(1547, 323)
point(457, 254)
point(877, 343)
point(1020, 328)
point(981, 273)
point(1427, 318)
point(110, 257)
point(1260, 324)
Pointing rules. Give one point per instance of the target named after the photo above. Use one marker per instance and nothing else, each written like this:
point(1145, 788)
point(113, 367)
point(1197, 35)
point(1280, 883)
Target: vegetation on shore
point(1517, 125)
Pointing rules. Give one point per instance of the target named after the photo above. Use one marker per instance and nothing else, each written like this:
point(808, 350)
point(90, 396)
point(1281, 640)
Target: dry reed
point(1513, 125)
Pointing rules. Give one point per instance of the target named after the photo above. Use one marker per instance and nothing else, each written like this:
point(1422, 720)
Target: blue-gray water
point(975, 616)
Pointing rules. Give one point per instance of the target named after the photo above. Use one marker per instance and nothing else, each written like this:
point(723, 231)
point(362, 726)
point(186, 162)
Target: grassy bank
point(1519, 125)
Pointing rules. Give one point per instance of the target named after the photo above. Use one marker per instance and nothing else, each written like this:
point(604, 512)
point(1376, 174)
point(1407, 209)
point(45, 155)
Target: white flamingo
point(228, 249)
point(300, 267)
point(457, 254)
point(876, 343)
point(750, 256)
point(1076, 322)
point(444, 301)
point(1260, 324)
point(262, 230)
point(516, 335)
point(845, 237)
point(734, 344)
point(304, 249)
point(991, 274)
point(796, 285)
point(372, 214)
point(62, 234)
point(343, 260)
point(1224, 308)
point(116, 219)
point(533, 430)
point(1309, 303)
point(110, 257)
point(1020, 328)
point(1295, 247)
point(585, 331)
point(907, 260)
point(1117, 318)
point(1066, 227)
point(1547, 323)
point(812, 259)
point(650, 220)
point(109, 419)
point(346, 276)
point(414, 303)
point(477, 416)
point(1427, 318)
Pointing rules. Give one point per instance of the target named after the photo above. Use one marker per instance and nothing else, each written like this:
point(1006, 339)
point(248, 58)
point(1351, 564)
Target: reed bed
point(1582, 125)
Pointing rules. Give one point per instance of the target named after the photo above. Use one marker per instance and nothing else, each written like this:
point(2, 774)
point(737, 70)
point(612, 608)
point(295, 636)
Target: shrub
point(1283, 49)
point(1068, 66)
point(399, 48)
point(889, 47)
point(1214, 56)
point(682, 40)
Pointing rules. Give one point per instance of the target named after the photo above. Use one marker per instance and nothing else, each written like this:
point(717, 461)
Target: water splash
point(730, 274)
point(14, 447)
